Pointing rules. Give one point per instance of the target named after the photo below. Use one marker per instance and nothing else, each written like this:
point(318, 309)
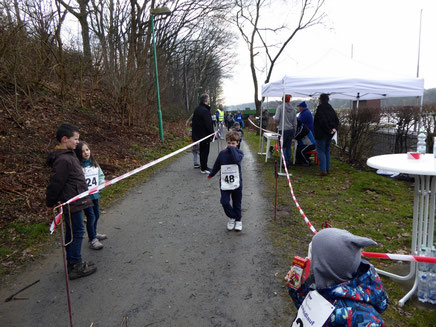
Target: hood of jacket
point(357, 298)
point(52, 156)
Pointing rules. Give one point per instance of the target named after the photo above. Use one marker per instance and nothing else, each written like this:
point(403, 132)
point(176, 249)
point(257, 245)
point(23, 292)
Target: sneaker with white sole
point(101, 237)
point(205, 171)
point(197, 165)
point(95, 244)
point(238, 226)
point(230, 224)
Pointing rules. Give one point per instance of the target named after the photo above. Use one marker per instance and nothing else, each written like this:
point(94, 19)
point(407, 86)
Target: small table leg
point(267, 150)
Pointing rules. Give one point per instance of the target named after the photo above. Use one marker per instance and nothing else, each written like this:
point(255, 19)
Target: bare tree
point(248, 20)
point(81, 13)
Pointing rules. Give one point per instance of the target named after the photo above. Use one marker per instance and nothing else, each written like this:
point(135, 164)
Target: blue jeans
point(234, 211)
point(92, 214)
point(323, 151)
point(287, 143)
point(74, 250)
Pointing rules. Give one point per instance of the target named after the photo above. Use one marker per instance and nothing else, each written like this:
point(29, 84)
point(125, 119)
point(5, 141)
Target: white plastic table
point(269, 137)
point(423, 170)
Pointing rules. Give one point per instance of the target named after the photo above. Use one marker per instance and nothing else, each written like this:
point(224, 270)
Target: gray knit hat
point(336, 256)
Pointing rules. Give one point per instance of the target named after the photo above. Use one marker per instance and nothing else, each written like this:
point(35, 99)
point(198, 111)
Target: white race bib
point(314, 311)
point(229, 177)
point(91, 176)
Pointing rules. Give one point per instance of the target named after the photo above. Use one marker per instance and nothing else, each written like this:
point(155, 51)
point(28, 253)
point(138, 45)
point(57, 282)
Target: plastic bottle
point(434, 147)
point(424, 266)
point(431, 288)
point(433, 265)
point(421, 145)
point(423, 287)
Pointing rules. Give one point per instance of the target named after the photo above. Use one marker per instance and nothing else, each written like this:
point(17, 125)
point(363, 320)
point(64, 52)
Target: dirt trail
point(169, 261)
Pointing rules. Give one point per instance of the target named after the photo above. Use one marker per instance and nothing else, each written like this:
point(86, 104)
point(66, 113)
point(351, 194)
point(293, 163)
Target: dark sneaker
point(206, 171)
point(81, 269)
point(196, 166)
point(89, 263)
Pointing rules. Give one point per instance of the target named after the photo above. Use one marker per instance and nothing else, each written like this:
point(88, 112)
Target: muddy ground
point(168, 261)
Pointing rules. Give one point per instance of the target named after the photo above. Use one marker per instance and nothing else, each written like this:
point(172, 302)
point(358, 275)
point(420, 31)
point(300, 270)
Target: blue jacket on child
point(228, 156)
point(358, 302)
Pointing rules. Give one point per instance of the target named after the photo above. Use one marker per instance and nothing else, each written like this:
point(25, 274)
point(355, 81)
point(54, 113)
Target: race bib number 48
point(91, 176)
point(229, 177)
point(314, 311)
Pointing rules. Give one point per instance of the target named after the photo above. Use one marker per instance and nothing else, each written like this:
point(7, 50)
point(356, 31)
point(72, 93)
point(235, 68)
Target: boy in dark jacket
point(237, 128)
point(345, 280)
point(66, 181)
point(229, 162)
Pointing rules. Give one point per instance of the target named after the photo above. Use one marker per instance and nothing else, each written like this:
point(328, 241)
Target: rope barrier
point(390, 256)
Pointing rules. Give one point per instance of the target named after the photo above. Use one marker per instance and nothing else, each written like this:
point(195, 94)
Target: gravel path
point(169, 261)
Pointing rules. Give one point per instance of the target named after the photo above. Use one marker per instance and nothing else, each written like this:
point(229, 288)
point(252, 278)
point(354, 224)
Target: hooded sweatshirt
point(66, 180)
point(341, 276)
point(290, 117)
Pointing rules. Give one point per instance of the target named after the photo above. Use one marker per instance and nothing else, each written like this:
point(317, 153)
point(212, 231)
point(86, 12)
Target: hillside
point(27, 135)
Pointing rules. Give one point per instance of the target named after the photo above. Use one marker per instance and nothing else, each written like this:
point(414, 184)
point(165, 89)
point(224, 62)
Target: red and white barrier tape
point(400, 257)
point(309, 224)
point(95, 189)
point(263, 129)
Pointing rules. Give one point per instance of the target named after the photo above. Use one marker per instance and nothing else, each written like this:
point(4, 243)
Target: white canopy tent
point(349, 87)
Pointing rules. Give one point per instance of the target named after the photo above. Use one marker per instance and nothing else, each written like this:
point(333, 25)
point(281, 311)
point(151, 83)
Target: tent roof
point(356, 79)
point(351, 88)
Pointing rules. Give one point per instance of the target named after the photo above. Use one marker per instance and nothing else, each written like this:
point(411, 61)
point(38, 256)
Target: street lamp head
point(161, 11)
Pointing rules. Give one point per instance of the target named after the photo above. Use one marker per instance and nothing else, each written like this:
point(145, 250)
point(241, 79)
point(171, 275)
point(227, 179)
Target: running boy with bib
point(229, 162)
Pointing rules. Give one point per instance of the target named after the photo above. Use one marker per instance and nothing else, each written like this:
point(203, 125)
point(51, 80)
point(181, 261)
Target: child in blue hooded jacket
point(94, 176)
point(345, 280)
point(229, 162)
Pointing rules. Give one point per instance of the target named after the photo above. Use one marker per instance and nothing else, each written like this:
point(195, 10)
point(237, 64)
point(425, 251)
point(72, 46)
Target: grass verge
point(360, 201)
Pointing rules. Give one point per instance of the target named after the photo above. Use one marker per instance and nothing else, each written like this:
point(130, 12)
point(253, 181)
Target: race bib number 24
point(91, 176)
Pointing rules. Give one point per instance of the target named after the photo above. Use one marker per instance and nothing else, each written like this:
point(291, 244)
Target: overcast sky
point(383, 34)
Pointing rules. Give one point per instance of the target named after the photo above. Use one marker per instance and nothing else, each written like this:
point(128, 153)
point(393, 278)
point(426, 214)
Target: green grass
point(21, 241)
point(357, 200)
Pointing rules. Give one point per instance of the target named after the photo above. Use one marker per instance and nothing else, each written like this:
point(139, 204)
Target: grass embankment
point(22, 240)
point(360, 201)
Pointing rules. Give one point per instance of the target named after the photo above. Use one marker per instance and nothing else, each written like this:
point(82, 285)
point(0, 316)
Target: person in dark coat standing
point(325, 125)
point(202, 126)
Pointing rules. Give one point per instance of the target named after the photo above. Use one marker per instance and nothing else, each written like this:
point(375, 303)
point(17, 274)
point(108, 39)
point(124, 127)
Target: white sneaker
point(101, 236)
point(95, 244)
point(230, 224)
point(205, 171)
point(238, 226)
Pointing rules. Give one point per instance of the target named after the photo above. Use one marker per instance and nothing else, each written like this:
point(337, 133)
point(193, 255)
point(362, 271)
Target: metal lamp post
point(162, 11)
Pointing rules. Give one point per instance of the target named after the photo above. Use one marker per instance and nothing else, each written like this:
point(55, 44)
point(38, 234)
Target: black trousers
point(302, 156)
point(204, 154)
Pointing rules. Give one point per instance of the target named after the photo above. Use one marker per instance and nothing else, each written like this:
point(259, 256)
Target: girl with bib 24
point(94, 177)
